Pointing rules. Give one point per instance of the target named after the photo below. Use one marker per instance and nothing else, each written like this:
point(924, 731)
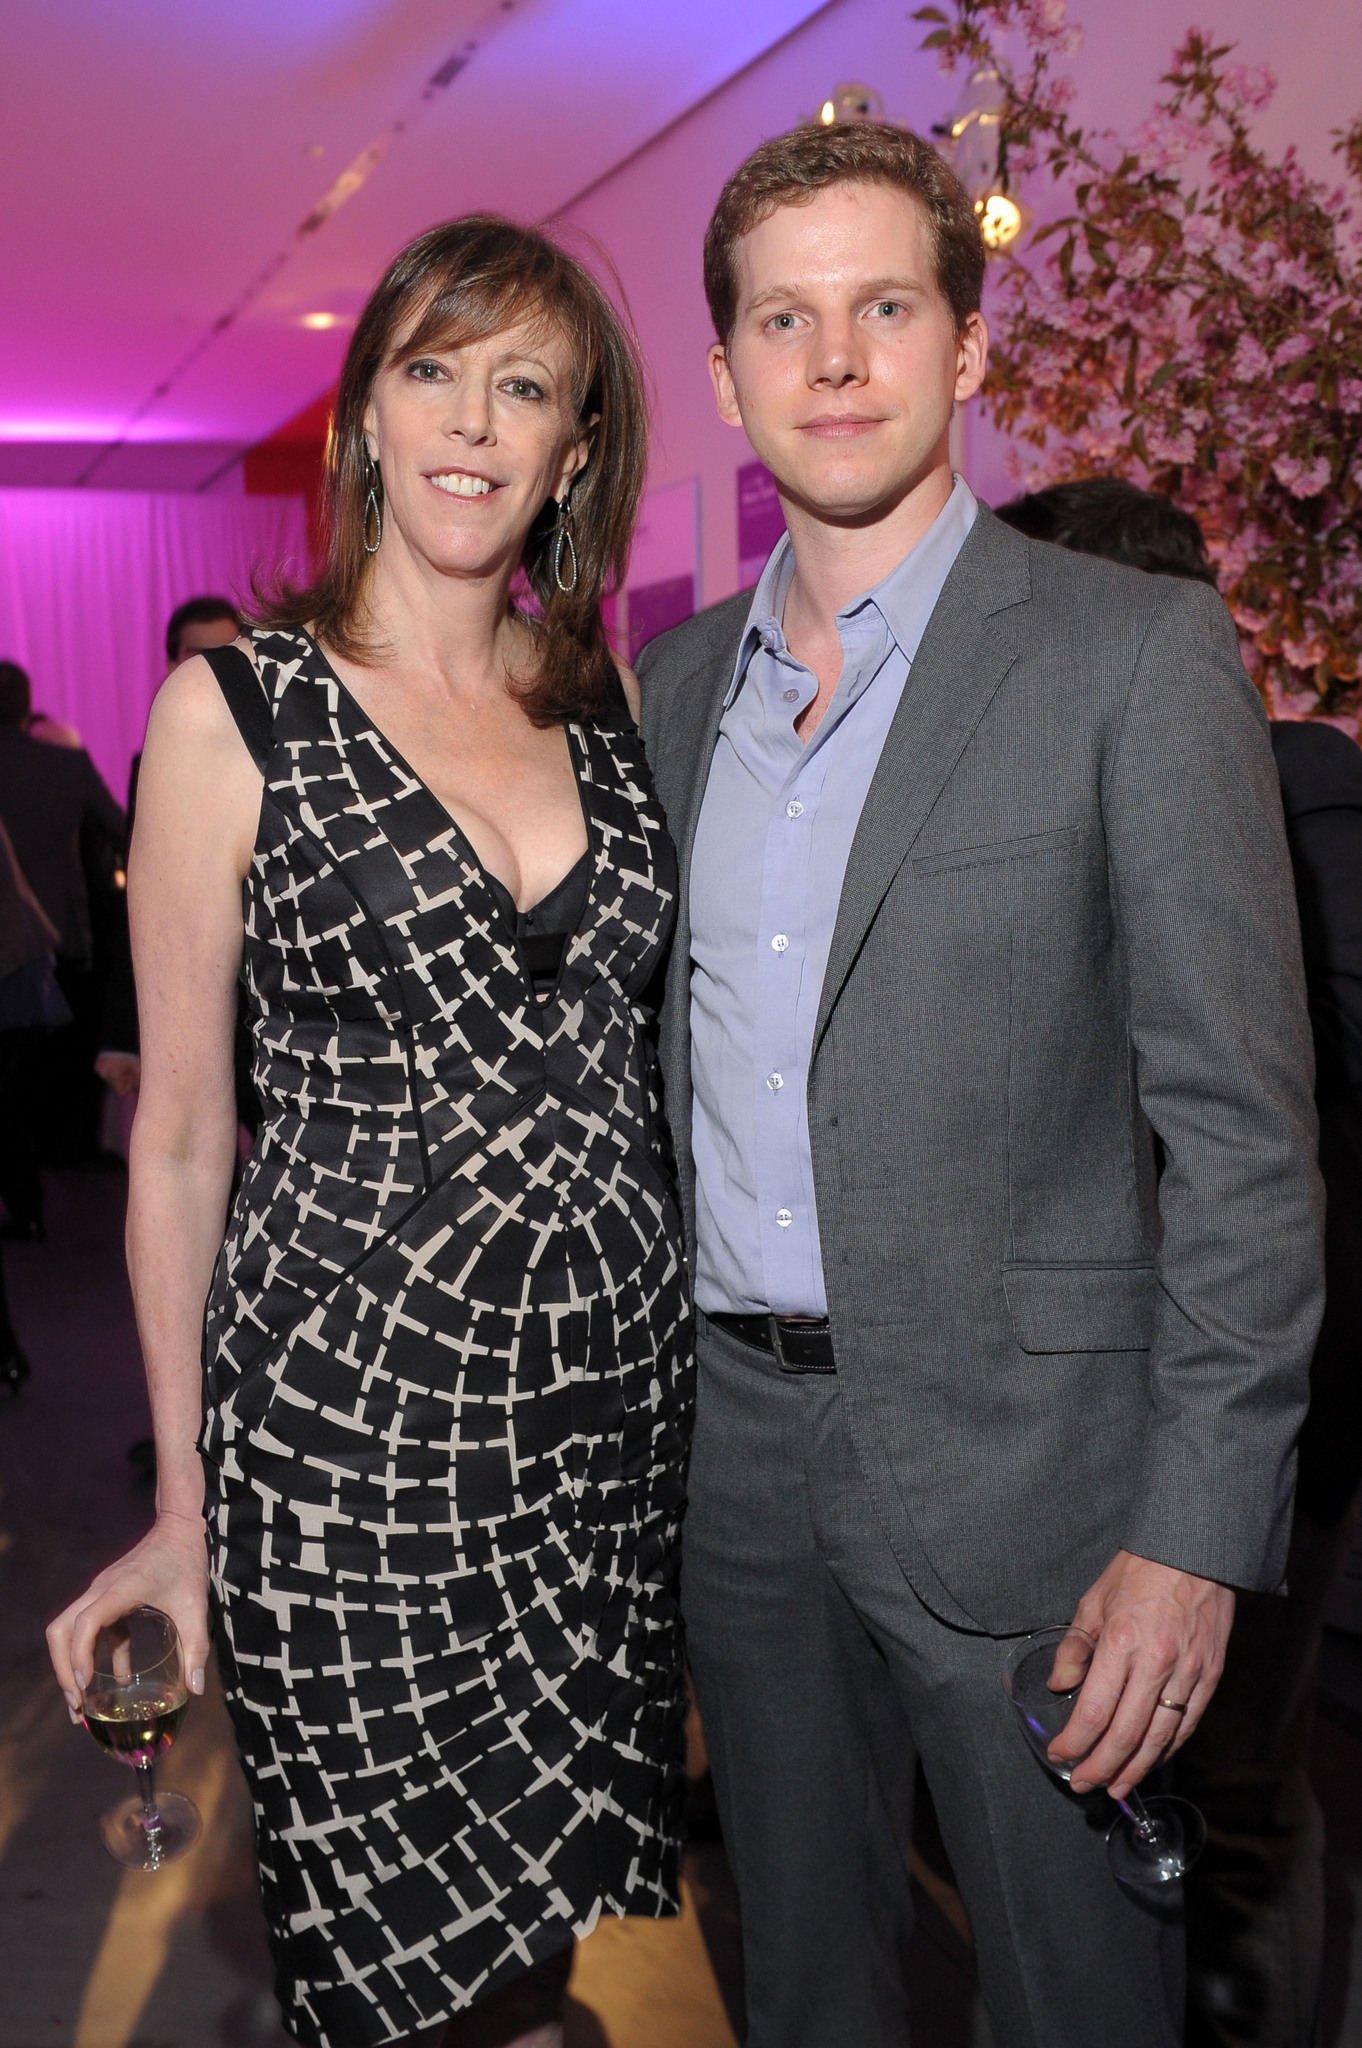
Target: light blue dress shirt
point(771, 847)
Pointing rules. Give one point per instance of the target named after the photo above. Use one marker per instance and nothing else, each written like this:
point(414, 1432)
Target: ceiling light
point(827, 113)
point(320, 322)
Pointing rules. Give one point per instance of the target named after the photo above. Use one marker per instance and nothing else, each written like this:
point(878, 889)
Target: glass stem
point(146, 1785)
point(1146, 1827)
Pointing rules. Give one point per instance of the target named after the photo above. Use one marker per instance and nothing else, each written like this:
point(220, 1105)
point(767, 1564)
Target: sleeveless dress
point(448, 1377)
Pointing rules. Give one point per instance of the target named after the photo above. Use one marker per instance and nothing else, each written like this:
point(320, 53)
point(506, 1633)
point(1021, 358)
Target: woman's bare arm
point(198, 803)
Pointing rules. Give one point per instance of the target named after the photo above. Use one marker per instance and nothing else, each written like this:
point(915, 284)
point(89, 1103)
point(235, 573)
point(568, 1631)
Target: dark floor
point(91, 1957)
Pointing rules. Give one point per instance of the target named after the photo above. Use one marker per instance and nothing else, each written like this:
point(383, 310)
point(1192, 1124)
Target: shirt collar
point(905, 598)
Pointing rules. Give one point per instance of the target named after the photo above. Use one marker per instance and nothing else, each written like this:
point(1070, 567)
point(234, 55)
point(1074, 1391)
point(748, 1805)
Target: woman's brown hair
point(459, 283)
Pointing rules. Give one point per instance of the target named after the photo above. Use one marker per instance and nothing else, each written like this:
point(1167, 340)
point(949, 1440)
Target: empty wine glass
point(133, 1707)
point(1152, 1841)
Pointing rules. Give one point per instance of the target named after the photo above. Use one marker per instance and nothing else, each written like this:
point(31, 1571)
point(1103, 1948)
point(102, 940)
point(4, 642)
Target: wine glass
point(1152, 1841)
point(133, 1706)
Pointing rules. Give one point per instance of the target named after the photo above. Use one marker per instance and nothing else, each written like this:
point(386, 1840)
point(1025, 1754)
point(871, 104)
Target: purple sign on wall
point(656, 607)
point(760, 520)
point(663, 581)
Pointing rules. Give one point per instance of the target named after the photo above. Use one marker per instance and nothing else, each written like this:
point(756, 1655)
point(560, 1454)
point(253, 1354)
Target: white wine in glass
point(133, 1707)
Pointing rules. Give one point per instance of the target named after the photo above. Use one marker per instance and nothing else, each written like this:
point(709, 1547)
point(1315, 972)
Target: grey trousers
point(822, 1679)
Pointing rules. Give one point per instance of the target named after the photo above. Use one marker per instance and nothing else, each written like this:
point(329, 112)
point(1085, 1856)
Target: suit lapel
point(692, 729)
point(965, 654)
point(687, 732)
point(685, 750)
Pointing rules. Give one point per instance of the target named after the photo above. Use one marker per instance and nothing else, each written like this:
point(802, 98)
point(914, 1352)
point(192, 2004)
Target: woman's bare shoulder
point(198, 790)
point(189, 714)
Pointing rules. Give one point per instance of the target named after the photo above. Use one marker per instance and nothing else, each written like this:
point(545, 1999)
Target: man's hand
point(1161, 1635)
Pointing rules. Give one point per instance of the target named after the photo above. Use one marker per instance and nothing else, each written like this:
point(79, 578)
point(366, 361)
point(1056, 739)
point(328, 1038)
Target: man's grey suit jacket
point(1060, 1096)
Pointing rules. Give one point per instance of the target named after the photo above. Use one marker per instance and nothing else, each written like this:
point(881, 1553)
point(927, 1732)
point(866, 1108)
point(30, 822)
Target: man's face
point(201, 633)
point(844, 364)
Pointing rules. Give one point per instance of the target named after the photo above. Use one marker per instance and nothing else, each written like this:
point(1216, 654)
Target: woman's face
point(470, 442)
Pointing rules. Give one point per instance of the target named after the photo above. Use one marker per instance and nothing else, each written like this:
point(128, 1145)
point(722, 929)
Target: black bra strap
point(246, 700)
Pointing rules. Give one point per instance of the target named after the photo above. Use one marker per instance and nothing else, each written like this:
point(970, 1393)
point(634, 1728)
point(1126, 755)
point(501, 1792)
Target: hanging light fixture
point(851, 102)
point(972, 134)
point(1001, 220)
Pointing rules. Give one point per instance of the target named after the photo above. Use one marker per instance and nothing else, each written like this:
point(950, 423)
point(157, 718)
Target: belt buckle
point(790, 1365)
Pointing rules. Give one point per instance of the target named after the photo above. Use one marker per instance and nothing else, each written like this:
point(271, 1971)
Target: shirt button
point(794, 808)
point(774, 1081)
point(790, 696)
point(780, 944)
point(784, 1218)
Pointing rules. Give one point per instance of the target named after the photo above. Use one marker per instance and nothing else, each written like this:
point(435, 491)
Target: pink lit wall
point(651, 214)
point(89, 578)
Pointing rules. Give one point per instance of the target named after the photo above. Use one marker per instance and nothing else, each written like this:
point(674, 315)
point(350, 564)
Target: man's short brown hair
point(790, 169)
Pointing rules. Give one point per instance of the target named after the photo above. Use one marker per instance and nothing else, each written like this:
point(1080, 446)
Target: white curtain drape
point(89, 578)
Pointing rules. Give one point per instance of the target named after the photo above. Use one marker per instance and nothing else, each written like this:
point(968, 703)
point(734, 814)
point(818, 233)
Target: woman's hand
point(167, 1569)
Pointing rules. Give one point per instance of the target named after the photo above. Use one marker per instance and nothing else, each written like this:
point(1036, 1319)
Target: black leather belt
point(796, 1345)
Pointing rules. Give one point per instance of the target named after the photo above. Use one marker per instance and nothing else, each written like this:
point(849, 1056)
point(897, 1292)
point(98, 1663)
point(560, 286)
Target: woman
point(447, 1350)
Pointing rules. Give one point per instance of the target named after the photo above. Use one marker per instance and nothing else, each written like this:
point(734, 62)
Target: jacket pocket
point(1081, 1308)
point(999, 851)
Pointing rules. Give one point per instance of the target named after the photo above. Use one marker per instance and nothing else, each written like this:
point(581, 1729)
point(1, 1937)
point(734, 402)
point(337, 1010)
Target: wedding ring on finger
point(1175, 1706)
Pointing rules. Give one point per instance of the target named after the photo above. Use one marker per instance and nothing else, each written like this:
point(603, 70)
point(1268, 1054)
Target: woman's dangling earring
point(373, 509)
point(562, 538)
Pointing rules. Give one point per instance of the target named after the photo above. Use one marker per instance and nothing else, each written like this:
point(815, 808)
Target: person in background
point(59, 814)
point(31, 1007)
point(193, 627)
point(55, 731)
point(1255, 1902)
point(1114, 519)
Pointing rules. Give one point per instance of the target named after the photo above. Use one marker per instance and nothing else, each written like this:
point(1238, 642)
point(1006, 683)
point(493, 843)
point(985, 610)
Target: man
point(1255, 1902)
point(59, 816)
point(986, 1030)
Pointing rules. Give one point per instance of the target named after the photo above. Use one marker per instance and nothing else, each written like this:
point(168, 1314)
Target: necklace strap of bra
point(246, 700)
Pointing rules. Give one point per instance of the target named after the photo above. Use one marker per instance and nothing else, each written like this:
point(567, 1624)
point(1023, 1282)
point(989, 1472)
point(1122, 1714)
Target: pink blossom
point(1251, 85)
point(1290, 274)
point(1169, 139)
point(1180, 448)
point(1046, 21)
point(1302, 479)
point(1133, 263)
point(1291, 350)
point(1233, 256)
point(1250, 360)
point(1201, 232)
point(1208, 290)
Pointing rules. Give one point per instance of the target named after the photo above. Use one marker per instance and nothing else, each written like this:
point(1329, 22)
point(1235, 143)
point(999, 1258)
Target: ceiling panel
point(163, 155)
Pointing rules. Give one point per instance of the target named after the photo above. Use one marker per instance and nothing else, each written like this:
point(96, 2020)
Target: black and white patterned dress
point(448, 1381)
